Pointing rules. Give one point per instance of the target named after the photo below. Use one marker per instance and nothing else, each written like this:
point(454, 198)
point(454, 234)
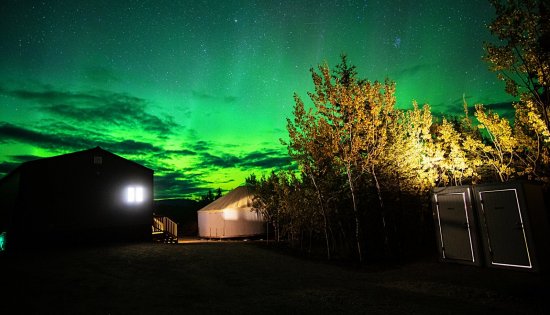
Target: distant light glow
point(230, 215)
point(134, 194)
point(2, 241)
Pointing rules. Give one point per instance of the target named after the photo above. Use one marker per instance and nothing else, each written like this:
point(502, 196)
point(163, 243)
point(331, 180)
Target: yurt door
point(504, 228)
point(454, 226)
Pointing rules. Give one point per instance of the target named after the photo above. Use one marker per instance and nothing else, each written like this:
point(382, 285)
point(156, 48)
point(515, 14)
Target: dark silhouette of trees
point(209, 197)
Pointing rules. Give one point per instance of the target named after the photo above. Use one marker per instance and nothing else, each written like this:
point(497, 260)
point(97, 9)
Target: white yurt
point(231, 216)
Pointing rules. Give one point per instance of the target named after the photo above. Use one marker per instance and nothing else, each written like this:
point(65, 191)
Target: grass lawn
point(251, 278)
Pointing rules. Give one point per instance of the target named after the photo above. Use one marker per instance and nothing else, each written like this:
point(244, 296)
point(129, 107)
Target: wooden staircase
point(164, 230)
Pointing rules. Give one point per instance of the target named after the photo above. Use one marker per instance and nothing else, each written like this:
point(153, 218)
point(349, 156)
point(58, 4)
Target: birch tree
point(307, 146)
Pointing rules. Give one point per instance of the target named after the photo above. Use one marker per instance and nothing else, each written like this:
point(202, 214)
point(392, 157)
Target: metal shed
point(514, 224)
point(456, 225)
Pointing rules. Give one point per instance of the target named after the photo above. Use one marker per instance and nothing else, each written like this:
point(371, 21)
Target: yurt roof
point(237, 198)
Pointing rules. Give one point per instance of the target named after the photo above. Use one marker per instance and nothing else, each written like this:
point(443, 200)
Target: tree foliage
point(366, 168)
point(341, 144)
point(521, 57)
point(209, 197)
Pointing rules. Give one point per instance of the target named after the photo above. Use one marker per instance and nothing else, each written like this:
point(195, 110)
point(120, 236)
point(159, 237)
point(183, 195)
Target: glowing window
point(134, 194)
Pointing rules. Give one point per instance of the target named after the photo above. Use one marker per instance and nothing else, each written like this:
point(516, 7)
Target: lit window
point(139, 194)
point(134, 194)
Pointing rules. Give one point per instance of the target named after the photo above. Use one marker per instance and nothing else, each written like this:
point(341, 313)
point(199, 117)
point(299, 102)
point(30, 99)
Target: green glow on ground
point(2, 241)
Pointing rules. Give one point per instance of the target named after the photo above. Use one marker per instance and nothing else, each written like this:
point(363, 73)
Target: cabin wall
point(95, 196)
point(71, 199)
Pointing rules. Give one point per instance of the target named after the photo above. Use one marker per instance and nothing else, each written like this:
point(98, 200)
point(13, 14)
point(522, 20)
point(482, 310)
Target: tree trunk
point(267, 232)
point(355, 213)
point(382, 210)
point(325, 220)
point(302, 239)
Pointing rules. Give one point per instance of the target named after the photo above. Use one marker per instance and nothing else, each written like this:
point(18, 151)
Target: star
point(397, 42)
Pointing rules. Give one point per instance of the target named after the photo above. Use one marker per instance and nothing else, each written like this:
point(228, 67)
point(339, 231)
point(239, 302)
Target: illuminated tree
point(501, 152)
point(306, 146)
point(522, 56)
point(353, 117)
point(412, 153)
point(265, 201)
point(533, 142)
point(298, 215)
point(508, 151)
point(360, 159)
point(456, 163)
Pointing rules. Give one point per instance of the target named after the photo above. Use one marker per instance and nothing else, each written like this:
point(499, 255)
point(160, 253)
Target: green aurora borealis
point(200, 91)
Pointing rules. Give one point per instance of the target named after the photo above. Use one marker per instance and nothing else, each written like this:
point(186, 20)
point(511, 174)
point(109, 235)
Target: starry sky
point(200, 91)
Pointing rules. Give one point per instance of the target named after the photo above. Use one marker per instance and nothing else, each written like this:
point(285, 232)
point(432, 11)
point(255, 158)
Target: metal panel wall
point(514, 228)
point(456, 225)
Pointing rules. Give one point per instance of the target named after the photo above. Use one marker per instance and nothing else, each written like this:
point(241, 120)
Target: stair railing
point(166, 225)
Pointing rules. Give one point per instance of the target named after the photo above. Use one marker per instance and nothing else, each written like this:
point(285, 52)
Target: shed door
point(504, 223)
point(454, 226)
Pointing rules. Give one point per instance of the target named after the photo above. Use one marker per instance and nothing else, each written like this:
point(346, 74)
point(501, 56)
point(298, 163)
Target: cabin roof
point(96, 150)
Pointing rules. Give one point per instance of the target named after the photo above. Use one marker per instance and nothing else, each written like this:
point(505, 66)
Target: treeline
point(366, 168)
point(208, 197)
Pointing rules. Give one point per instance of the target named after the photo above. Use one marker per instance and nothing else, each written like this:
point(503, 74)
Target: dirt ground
point(250, 278)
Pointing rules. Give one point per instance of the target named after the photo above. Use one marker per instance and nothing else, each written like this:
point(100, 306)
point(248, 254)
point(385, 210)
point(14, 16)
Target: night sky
point(200, 91)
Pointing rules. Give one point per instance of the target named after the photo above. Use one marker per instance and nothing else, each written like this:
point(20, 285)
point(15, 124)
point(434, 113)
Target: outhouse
point(514, 225)
point(456, 225)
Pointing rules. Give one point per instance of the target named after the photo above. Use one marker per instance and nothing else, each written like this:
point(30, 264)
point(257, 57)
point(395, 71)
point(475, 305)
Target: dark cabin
point(88, 196)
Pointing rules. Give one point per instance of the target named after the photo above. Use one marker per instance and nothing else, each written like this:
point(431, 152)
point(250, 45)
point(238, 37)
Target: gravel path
point(248, 278)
